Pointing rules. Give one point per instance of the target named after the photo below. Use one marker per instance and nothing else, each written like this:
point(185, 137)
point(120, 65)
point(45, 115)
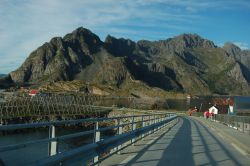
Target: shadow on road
point(145, 149)
point(179, 151)
point(220, 145)
point(187, 143)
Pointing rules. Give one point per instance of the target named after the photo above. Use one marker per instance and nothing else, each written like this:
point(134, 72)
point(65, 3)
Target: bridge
point(189, 142)
point(148, 139)
point(145, 138)
point(124, 131)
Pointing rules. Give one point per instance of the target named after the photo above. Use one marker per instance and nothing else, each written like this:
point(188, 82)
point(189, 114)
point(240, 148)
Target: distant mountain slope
point(2, 75)
point(185, 63)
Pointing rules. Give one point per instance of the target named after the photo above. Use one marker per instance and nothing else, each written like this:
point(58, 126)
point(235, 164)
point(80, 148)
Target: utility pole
point(200, 107)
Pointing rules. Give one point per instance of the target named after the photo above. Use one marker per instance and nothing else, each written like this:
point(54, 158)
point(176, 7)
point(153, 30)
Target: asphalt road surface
point(187, 143)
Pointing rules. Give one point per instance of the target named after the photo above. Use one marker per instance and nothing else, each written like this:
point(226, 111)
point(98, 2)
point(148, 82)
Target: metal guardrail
point(241, 123)
point(136, 127)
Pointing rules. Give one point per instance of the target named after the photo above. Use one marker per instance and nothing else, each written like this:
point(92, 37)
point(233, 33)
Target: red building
point(33, 92)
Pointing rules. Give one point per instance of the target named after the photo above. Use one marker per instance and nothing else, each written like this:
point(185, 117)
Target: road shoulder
point(240, 142)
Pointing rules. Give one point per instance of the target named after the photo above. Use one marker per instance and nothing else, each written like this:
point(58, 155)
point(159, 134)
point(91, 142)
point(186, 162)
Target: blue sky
point(27, 24)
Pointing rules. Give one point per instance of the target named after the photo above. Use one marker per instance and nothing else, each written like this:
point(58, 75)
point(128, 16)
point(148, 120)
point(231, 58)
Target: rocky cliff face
point(186, 63)
point(59, 59)
point(242, 58)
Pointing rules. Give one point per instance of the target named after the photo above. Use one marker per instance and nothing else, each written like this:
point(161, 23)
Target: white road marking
point(239, 149)
point(235, 146)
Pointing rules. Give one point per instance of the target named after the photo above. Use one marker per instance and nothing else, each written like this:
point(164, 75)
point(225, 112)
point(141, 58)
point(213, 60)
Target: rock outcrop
point(185, 63)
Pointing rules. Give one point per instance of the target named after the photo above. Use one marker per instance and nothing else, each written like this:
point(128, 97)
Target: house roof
point(214, 107)
point(34, 91)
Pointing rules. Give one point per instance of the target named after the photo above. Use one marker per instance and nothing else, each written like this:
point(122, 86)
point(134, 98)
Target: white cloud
point(243, 46)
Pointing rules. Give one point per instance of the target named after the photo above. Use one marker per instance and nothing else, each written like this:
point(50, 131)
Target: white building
point(213, 110)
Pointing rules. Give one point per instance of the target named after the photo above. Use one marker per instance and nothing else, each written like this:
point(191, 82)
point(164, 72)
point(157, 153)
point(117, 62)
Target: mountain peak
point(184, 63)
point(193, 41)
point(231, 45)
point(84, 39)
point(119, 47)
point(81, 30)
point(82, 34)
point(110, 38)
point(189, 35)
point(231, 48)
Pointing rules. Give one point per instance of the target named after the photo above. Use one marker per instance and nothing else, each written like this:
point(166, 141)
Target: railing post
point(52, 144)
point(97, 139)
point(119, 133)
point(162, 119)
point(243, 125)
point(149, 123)
point(237, 120)
point(165, 118)
point(248, 126)
point(1, 122)
point(159, 120)
point(143, 125)
point(154, 122)
point(133, 128)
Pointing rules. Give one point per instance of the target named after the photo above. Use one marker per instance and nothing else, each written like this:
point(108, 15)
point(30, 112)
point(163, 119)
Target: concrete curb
point(226, 136)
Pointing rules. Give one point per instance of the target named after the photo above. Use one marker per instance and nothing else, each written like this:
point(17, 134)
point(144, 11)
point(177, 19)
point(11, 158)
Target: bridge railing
point(241, 123)
point(127, 128)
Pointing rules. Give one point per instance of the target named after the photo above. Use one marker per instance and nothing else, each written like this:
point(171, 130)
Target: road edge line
point(227, 137)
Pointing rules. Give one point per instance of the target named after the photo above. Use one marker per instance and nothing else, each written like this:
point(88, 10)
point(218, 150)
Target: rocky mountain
point(185, 63)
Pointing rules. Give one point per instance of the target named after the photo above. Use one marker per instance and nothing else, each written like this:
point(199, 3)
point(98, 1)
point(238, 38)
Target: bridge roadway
point(188, 143)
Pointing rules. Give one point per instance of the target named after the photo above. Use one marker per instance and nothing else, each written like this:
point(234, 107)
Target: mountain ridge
point(186, 63)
